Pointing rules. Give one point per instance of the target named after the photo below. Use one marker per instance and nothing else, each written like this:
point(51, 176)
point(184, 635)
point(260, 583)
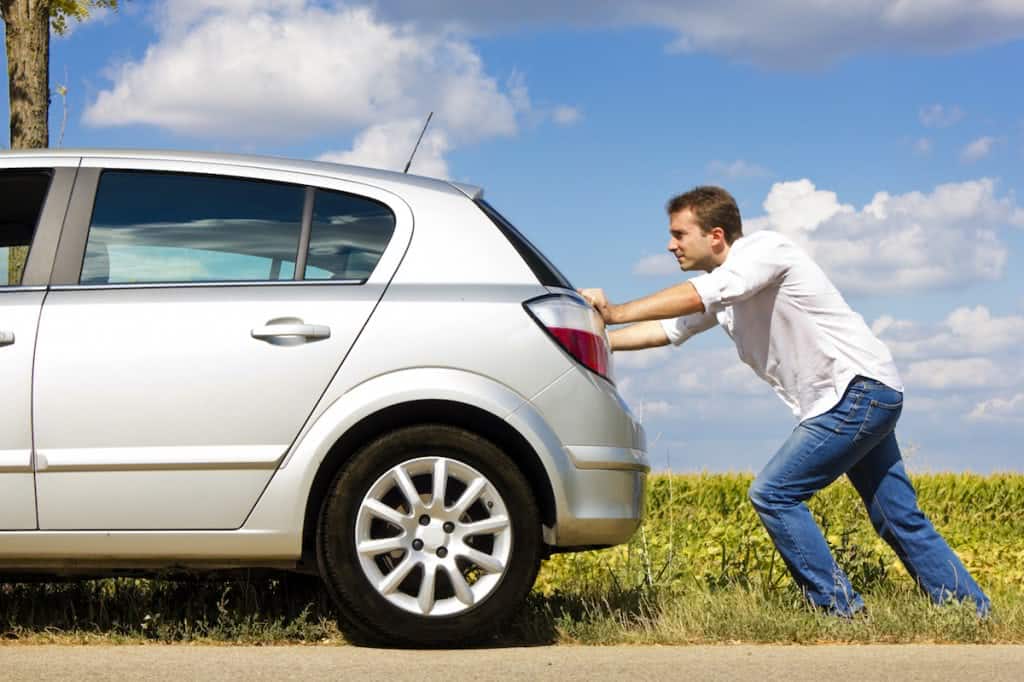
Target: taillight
point(576, 326)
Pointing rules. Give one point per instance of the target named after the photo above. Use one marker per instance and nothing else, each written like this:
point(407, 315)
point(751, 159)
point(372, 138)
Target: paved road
point(564, 663)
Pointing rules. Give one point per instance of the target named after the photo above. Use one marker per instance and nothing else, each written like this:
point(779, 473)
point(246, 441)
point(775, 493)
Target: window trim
point(199, 285)
point(304, 233)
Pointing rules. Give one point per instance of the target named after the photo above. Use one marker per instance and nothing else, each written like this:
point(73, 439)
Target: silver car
point(213, 361)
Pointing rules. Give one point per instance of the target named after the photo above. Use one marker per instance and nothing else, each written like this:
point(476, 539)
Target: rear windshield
point(547, 273)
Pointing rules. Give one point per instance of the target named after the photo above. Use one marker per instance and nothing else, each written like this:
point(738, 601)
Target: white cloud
point(965, 331)
point(289, 69)
point(798, 207)
point(655, 265)
point(970, 352)
point(981, 331)
point(389, 145)
point(955, 374)
point(978, 149)
point(795, 34)
point(887, 322)
point(999, 410)
point(938, 116)
point(566, 115)
point(897, 243)
point(923, 146)
point(737, 169)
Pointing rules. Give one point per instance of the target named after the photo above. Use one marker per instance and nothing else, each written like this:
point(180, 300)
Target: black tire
point(369, 617)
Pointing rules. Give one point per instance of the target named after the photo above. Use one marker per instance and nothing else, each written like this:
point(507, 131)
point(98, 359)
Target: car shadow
point(557, 618)
point(261, 607)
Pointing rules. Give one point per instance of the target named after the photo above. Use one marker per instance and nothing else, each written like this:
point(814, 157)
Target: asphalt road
point(564, 663)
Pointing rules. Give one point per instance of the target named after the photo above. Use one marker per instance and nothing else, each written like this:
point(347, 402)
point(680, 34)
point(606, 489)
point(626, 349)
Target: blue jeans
point(855, 438)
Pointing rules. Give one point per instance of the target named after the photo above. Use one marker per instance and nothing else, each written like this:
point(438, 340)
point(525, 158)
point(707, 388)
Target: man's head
point(703, 224)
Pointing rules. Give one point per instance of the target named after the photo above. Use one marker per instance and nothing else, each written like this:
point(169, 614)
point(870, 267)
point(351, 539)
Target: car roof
point(356, 173)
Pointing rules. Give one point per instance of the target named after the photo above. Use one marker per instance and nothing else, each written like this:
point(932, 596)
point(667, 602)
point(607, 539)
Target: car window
point(348, 236)
point(22, 193)
point(150, 227)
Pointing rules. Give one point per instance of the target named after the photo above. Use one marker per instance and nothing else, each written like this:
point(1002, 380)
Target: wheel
point(429, 536)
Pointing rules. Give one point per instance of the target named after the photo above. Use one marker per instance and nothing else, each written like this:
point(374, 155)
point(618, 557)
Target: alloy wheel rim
point(433, 536)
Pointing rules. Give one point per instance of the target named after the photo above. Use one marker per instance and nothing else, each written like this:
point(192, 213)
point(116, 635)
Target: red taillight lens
point(588, 348)
point(575, 325)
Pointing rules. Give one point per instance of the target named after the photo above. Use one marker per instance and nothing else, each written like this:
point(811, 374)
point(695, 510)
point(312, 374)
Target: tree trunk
point(27, 28)
point(28, 70)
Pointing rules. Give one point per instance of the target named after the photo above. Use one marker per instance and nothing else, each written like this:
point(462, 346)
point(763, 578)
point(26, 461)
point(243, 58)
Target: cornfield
point(701, 532)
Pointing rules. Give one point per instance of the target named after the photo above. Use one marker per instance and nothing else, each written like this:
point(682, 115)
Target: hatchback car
point(213, 361)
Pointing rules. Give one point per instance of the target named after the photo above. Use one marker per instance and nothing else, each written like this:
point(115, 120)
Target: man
point(792, 326)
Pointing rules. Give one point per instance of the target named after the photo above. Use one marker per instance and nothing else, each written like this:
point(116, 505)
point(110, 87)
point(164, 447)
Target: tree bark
point(27, 24)
point(27, 29)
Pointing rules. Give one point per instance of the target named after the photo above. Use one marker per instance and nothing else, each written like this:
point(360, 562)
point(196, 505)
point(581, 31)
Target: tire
point(487, 532)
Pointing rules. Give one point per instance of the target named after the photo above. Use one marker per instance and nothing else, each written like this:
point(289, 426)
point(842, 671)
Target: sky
point(885, 136)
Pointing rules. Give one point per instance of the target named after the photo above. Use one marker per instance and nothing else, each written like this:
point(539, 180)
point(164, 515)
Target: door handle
point(6, 338)
point(290, 331)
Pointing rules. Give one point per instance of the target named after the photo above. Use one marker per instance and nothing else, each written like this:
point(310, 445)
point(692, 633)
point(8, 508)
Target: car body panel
point(17, 487)
point(167, 368)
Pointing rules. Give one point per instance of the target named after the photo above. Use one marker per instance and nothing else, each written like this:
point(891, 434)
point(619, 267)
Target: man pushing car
point(795, 330)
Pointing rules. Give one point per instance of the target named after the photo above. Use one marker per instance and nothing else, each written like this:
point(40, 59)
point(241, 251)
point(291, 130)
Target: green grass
point(701, 570)
point(739, 615)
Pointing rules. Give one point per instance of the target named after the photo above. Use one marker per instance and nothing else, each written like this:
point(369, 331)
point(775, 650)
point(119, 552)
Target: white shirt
point(789, 323)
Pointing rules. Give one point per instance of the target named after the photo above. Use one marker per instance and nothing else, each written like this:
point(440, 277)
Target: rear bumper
point(603, 507)
point(601, 483)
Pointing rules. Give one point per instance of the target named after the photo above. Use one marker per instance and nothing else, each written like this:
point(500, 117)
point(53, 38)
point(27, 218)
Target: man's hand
point(596, 298)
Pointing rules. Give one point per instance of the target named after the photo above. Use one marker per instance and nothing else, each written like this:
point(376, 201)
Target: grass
point(270, 611)
point(739, 615)
point(700, 570)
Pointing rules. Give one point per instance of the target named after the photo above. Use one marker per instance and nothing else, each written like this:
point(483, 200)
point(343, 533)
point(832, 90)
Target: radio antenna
point(429, 116)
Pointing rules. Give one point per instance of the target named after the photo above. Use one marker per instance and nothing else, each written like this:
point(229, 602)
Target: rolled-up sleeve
point(681, 328)
point(743, 274)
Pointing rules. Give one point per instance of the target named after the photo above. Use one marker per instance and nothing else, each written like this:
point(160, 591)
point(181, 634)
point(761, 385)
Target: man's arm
point(675, 301)
point(638, 336)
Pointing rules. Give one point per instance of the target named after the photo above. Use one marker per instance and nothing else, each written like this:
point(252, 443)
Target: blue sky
point(888, 141)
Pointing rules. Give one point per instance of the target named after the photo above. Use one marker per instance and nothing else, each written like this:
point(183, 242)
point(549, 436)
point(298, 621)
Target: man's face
point(691, 247)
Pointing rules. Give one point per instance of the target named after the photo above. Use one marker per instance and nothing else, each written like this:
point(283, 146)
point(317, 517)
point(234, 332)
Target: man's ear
point(719, 232)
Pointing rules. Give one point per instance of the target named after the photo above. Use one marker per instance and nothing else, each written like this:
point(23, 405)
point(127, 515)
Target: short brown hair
point(713, 207)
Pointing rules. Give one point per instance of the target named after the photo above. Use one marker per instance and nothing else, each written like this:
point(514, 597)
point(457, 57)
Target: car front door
point(186, 340)
point(33, 199)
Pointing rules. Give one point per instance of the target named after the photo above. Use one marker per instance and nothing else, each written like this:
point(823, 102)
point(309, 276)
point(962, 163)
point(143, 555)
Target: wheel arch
point(427, 411)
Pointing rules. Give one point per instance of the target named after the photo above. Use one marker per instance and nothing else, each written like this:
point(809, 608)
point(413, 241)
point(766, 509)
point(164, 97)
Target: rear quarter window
point(347, 237)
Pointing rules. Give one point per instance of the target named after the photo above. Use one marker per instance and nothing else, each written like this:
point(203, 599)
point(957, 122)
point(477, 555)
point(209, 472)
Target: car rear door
point(33, 198)
point(186, 339)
